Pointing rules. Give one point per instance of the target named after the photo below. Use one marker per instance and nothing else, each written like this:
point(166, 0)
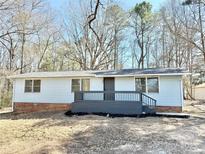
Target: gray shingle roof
point(142, 71)
point(122, 72)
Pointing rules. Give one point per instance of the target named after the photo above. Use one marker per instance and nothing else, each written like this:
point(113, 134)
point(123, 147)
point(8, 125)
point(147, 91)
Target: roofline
point(24, 77)
point(168, 74)
point(98, 76)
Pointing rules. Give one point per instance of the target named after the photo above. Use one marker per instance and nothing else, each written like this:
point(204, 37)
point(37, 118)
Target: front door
point(109, 85)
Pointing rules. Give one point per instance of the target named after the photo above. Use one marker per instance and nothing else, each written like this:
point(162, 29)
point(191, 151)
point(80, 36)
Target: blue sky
point(125, 4)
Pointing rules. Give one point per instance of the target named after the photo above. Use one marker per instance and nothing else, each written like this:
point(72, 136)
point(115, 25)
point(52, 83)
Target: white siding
point(170, 89)
point(170, 92)
point(96, 84)
point(124, 84)
point(58, 90)
point(53, 90)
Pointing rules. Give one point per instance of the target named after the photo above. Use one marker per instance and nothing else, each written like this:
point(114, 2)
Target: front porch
point(113, 102)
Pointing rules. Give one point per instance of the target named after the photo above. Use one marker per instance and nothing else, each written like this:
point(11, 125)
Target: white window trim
point(146, 83)
point(32, 86)
point(158, 85)
point(141, 77)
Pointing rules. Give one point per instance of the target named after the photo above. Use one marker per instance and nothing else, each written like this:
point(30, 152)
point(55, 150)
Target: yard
point(56, 133)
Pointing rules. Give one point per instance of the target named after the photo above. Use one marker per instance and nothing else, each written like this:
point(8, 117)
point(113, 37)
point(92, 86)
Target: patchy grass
point(53, 132)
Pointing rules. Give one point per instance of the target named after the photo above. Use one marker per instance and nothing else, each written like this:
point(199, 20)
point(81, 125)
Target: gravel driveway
point(53, 132)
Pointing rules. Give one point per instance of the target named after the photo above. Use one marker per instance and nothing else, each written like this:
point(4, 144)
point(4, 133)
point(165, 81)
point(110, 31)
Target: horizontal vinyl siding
point(124, 84)
point(96, 84)
point(170, 92)
point(53, 90)
point(170, 89)
point(58, 90)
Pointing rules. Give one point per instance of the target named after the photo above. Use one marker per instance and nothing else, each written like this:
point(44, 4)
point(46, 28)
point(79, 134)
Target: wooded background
point(99, 34)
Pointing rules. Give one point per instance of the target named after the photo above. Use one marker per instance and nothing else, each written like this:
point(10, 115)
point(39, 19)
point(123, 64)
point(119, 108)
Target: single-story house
point(126, 91)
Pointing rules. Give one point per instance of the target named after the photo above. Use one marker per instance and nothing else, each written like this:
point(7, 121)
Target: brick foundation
point(39, 107)
point(177, 109)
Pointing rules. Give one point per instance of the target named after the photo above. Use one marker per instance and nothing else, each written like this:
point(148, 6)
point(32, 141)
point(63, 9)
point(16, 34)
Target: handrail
point(109, 92)
point(149, 97)
point(151, 102)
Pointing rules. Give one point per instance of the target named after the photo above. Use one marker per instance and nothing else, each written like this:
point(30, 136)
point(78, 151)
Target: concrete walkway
point(174, 115)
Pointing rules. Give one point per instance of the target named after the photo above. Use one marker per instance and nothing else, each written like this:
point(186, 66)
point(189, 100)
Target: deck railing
point(115, 96)
point(148, 101)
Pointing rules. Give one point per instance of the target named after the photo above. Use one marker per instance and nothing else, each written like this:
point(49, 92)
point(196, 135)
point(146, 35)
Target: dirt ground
point(53, 132)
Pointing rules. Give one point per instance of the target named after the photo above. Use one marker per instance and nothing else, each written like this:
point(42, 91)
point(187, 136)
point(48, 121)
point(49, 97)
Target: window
point(75, 85)
point(28, 85)
point(85, 84)
point(80, 84)
point(153, 85)
point(32, 85)
point(36, 85)
point(140, 84)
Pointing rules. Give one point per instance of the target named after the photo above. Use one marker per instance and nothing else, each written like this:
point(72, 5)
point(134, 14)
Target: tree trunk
point(22, 53)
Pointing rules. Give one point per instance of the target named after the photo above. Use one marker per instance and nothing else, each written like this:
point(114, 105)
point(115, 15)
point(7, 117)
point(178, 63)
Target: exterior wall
point(53, 90)
point(40, 107)
point(170, 89)
point(96, 84)
point(169, 109)
point(58, 91)
point(125, 84)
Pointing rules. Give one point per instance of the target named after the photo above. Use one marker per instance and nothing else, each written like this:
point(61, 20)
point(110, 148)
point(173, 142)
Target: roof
point(149, 71)
point(104, 73)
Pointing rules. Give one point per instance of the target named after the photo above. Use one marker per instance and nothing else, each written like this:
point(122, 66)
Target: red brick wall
point(169, 109)
point(38, 107)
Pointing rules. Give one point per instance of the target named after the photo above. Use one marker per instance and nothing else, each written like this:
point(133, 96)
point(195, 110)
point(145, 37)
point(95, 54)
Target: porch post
point(140, 97)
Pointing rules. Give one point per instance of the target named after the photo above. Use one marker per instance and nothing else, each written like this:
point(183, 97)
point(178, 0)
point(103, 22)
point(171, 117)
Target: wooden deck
point(113, 102)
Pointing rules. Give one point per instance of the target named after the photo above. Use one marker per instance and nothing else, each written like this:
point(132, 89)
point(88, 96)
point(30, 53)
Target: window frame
point(81, 87)
point(80, 83)
point(26, 86)
point(146, 83)
point(144, 86)
point(157, 84)
point(72, 84)
point(32, 86)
